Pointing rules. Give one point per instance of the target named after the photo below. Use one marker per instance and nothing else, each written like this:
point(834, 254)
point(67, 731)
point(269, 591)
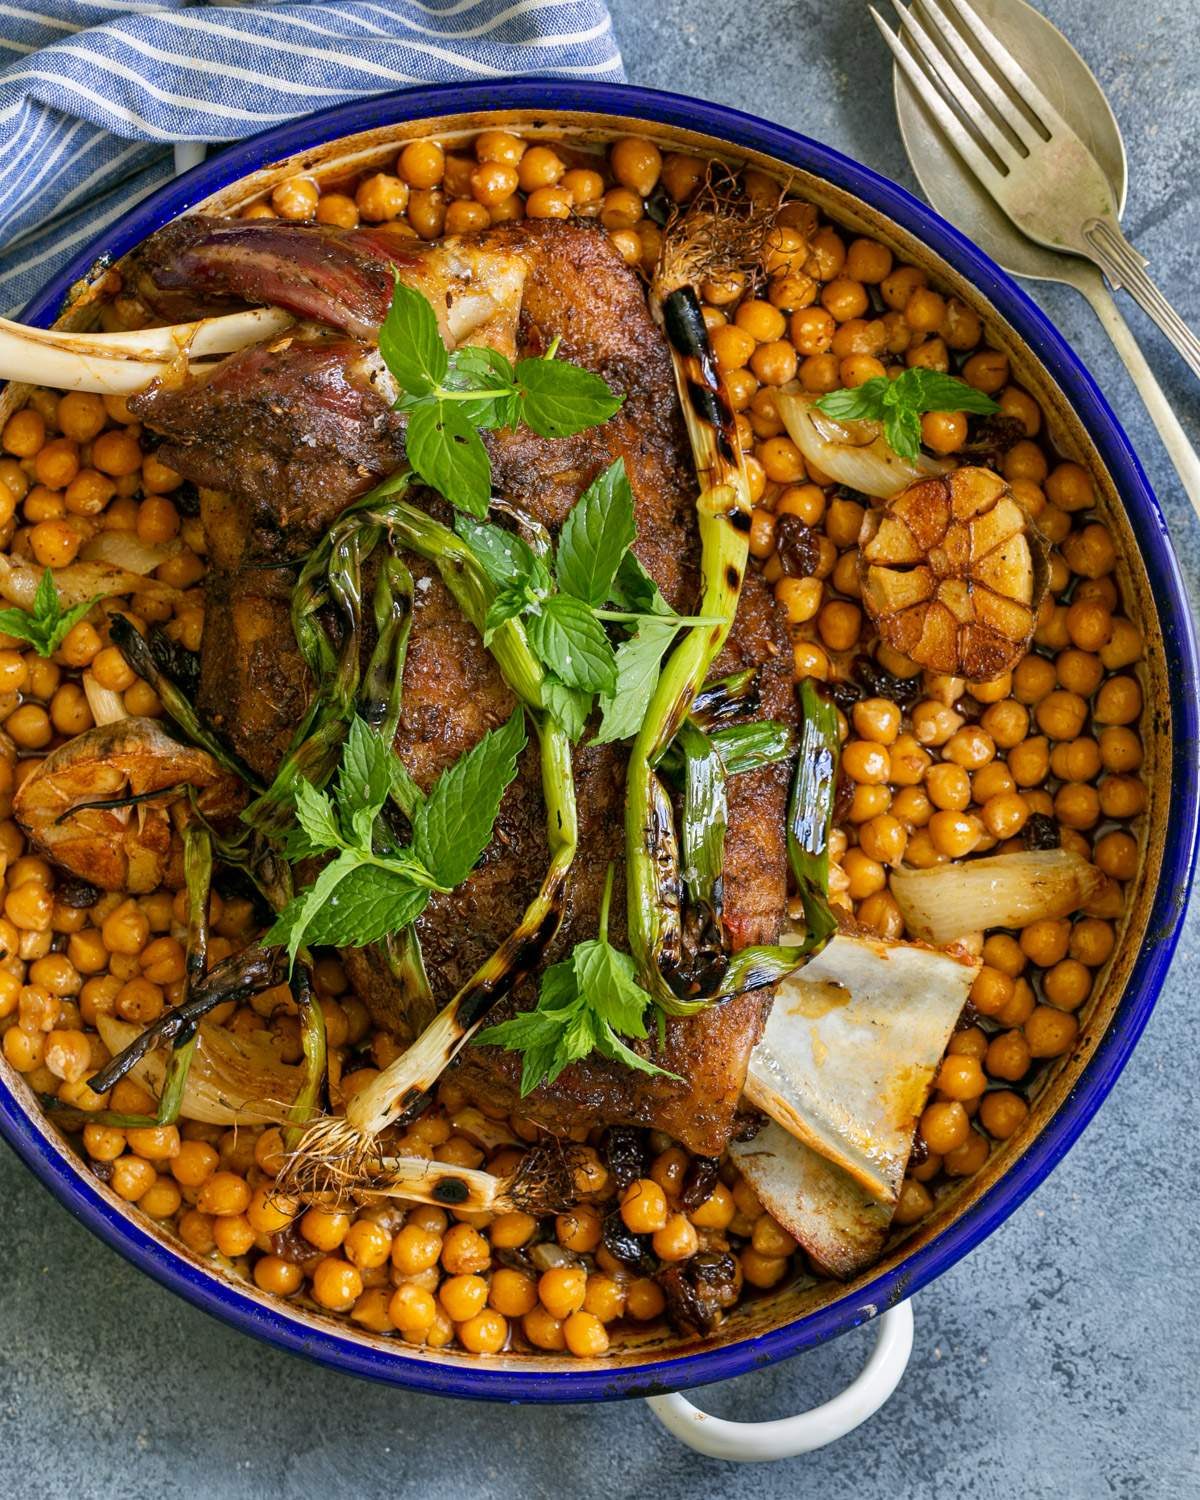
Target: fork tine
point(957, 94)
point(1011, 70)
point(980, 79)
point(929, 92)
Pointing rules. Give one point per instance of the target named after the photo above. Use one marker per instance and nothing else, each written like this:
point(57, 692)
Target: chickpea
point(29, 727)
point(898, 286)
point(1120, 749)
point(427, 212)
point(1061, 715)
point(1091, 943)
point(422, 164)
point(881, 839)
point(954, 834)
point(225, 1193)
point(1069, 486)
point(644, 1206)
point(1004, 815)
point(1025, 461)
point(960, 1078)
point(944, 431)
point(967, 1158)
point(1008, 1056)
point(844, 298)
point(24, 433)
point(717, 1210)
point(1002, 1113)
point(416, 1249)
point(1119, 701)
point(1124, 647)
point(944, 1125)
point(868, 261)
point(561, 1290)
point(464, 1249)
point(775, 364)
point(865, 876)
point(820, 373)
point(987, 371)
point(682, 175)
point(132, 1177)
point(1116, 854)
point(1122, 797)
point(586, 188)
point(812, 330)
point(676, 1240)
point(866, 762)
point(839, 624)
point(931, 354)
point(1050, 1032)
point(914, 1202)
point(296, 198)
point(1077, 805)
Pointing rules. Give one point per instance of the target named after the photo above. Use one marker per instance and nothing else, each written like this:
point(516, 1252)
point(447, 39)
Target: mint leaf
point(507, 605)
point(502, 555)
point(930, 390)
point(314, 813)
point(454, 825)
point(902, 431)
point(292, 923)
point(448, 454)
point(608, 978)
point(403, 790)
point(45, 626)
point(476, 368)
point(368, 904)
point(638, 663)
point(568, 707)
point(365, 778)
point(560, 399)
point(411, 343)
point(610, 1045)
point(635, 591)
point(595, 537)
point(567, 637)
point(899, 403)
point(864, 402)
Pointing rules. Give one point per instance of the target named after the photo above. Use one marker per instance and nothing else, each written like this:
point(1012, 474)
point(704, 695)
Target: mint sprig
point(559, 599)
point(45, 626)
point(899, 403)
point(451, 397)
point(587, 1003)
point(371, 887)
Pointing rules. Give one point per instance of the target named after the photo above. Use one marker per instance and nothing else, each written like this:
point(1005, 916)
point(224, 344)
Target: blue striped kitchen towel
point(94, 94)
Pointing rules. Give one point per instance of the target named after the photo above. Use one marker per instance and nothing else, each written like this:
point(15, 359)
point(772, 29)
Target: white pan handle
point(756, 1442)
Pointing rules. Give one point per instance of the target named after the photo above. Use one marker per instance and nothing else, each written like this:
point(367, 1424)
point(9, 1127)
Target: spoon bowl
point(952, 188)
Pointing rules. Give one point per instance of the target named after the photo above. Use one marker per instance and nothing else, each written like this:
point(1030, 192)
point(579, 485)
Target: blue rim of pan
point(478, 1379)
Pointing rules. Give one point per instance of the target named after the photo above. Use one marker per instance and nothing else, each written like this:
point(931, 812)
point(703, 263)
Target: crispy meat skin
point(253, 682)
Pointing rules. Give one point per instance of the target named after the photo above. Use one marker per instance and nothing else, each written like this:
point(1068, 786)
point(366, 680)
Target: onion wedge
point(850, 1050)
point(126, 550)
point(948, 901)
point(851, 453)
point(233, 1080)
point(844, 1069)
point(78, 581)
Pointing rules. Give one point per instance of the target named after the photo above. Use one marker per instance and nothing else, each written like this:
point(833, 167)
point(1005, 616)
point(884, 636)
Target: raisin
point(989, 438)
point(747, 1123)
point(798, 546)
point(880, 683)
point(186, 499)
point(844, 694)
point(624, 1154)
point(697, 1291)
point(700, 1180)
point(1041, 832)
point(622, 1244)
point(77, 894)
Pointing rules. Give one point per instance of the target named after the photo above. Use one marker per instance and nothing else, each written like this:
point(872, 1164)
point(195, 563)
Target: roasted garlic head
point(953, 571)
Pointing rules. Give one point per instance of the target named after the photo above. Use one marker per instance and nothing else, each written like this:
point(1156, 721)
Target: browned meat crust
point(253, 686)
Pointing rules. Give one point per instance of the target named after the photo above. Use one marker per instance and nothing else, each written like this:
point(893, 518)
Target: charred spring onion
point(349, 1142)
point(723, 514)
point(543, 1183)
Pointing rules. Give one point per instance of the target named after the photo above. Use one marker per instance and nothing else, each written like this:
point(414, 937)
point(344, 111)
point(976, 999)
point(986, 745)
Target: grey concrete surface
point(1060, 1359)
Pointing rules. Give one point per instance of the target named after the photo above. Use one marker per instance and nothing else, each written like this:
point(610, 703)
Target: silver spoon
point(953, 190)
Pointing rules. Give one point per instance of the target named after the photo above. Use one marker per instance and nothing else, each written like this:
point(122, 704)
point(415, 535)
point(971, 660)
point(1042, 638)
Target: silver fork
point(1021, 149)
